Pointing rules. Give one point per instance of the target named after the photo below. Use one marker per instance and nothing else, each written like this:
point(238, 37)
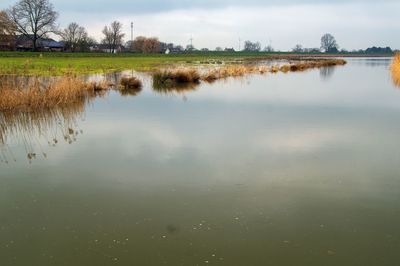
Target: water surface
point(279, 169)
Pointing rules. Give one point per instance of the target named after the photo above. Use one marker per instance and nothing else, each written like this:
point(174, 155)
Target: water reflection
point(326, 72)
point(130, 91)
point(175, 88)
point(32, 129)
point(284, 170)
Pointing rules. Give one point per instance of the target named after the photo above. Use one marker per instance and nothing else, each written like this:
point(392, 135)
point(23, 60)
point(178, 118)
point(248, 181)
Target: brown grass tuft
point(175, 78)
point(130, 83)
point(395, 69)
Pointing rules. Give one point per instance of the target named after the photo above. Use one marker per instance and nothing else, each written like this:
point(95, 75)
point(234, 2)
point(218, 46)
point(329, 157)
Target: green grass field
point(12, 63)
point(47, 64)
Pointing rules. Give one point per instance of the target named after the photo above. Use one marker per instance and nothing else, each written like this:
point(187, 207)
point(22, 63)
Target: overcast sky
point(284, 23)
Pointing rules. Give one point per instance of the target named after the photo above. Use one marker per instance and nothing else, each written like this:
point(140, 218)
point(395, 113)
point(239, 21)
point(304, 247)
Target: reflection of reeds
point(395, 69)
point(32, 108)
point(54, 124)
point(177, 88)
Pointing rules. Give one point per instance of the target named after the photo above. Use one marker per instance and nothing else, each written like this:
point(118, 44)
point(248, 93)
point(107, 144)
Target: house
point(230, 50)
point(7, 42)
point(105, 48)
point(51, 45)
point(24, 43)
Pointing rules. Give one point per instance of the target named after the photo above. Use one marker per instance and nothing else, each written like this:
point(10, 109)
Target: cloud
point(356, 24)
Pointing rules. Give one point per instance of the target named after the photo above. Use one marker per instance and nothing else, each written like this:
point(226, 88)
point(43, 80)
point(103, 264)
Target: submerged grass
point(395, 69)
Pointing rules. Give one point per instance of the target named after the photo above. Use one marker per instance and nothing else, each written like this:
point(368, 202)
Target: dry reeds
point(232, 71)
point(98, 86)
point(395, 69)
point(239, 71)
point(34, 93)
point(130, 86)
point(174, 78)
point(130, 83)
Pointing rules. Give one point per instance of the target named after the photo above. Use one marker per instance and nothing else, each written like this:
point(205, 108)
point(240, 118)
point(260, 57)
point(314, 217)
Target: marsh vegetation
point(30, 94)
point(395, 69)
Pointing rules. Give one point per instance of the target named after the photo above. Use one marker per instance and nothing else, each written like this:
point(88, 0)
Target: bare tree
point(298, 48)
point(329, 44)
point(34, 19)
point(7, 26)
point(7, 31)
point(74, 35)
point(252, 47)
point(86, 43)
point(113, 36)
point(269, 48)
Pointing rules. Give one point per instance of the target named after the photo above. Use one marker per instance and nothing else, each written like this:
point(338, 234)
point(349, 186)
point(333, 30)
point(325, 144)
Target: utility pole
point(240, 44)
point(191, 41)
point(132, 32)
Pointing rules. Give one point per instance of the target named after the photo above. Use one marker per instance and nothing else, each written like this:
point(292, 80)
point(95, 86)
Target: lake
point(276, 169)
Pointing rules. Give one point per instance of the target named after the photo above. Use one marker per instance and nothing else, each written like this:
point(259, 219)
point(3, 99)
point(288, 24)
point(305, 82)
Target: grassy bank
point(48, 64)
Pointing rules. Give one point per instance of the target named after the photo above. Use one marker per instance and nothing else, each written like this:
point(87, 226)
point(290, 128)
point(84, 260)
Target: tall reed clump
point(35, 93)
point(174, 78)
point(395, 69)
point(130, 83)
point(130, 86)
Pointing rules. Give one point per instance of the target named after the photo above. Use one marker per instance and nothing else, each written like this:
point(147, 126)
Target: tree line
point(36, 19)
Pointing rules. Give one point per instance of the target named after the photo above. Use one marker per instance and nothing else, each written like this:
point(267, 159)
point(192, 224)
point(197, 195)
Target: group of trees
point(328, 45)
point(76, 38)
point(113, 36)
point(36, 19)
point(252, 46)
point(145, 45)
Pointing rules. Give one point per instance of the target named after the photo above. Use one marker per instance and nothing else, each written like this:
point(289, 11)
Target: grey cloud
point(149, 6)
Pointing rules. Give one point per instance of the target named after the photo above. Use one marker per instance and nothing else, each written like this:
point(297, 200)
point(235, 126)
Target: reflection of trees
point(326, 72)
point(53, 125)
